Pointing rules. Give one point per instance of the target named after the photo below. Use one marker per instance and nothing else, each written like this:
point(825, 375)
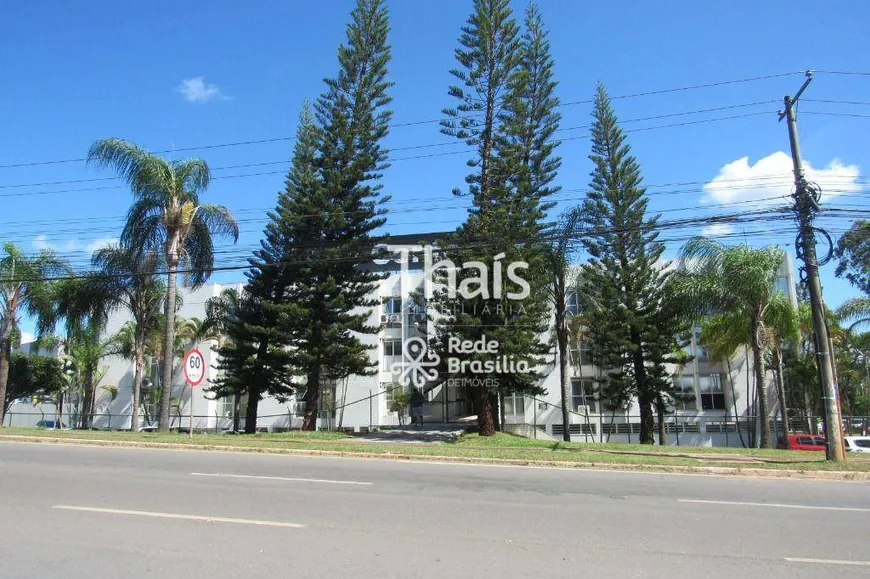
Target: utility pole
point(806, 198)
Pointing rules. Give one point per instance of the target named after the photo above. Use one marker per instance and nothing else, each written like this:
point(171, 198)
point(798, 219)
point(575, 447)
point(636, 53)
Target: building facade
point(716, 406)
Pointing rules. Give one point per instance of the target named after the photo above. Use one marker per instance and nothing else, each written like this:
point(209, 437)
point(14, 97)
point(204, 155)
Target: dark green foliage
point(23, 289)
point(308, 295)
point(507, 112)
point(853, 251)
point(32, 376)
point(334, 210)
point(631, 329)
point(252, 354)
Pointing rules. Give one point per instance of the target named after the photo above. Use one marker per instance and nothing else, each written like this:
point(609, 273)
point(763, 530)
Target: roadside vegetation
point(499, 447)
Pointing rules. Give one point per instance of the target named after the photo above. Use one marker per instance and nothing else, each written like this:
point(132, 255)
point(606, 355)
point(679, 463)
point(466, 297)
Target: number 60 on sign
point(194, 367)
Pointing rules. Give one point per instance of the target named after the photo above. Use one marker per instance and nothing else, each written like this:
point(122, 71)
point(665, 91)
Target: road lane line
point(283, 478)
point(178, 516)
point(828, 561)
point(775, 505)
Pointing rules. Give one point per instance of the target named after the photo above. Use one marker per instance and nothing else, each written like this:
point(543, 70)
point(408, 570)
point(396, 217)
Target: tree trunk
point(645, 399)
point(5, 353)
point(761, 389)
point(485, 421)
point(660, 412)
point(138, 365)
point(168, 339)
point(237, 409)
point(251, 411)
point(734, 404)
point(496, 407)
point(87, 403)
point(564, 378)
point(647, 421)
point(780, 391)
point(312, 397)
point(60, 410)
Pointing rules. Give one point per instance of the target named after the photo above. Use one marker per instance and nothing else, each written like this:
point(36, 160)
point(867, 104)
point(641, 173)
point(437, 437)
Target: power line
point(828, 114)
point(398, 159)
point(413, 123)
point(564, 194)
point(837, 102)
point(842, 72)
point(776, 214)
point(418, 147)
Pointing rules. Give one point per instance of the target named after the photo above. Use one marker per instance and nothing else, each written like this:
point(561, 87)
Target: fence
point(697, 429)
point(107, 421)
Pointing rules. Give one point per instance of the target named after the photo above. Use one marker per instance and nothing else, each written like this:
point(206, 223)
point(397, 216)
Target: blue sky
point(171, 75)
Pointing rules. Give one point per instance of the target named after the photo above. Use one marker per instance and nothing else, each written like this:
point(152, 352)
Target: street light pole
point(806, 197)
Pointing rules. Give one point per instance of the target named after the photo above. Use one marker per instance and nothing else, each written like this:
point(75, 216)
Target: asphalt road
point(75, 512)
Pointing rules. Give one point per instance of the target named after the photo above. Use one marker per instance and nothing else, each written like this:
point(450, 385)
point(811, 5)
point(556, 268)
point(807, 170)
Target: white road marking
point(179, 516)
point(776, 505)
point(283, 478)
point(828, 561)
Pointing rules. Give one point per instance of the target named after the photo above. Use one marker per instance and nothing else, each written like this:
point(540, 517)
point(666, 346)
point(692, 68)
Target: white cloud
point(100, 243)
point(196, 90)
point(771, 178)
point(41, 242)
point(717, 230)
point(27, 337)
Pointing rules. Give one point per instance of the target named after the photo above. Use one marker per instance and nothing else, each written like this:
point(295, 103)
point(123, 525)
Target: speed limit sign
point(194, 367)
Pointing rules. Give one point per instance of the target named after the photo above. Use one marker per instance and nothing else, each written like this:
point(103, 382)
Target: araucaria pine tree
point(623, 285)
point(507, 112)
point(258, 356)
point(333, 205)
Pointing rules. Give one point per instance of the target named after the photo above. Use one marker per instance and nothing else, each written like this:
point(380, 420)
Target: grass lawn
point(472, 446)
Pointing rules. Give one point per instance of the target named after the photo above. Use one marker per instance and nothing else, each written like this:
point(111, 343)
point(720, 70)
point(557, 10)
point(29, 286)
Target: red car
point(803, 442)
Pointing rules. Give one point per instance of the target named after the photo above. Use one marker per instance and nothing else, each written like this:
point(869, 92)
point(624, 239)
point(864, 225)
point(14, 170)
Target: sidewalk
point(435, 433)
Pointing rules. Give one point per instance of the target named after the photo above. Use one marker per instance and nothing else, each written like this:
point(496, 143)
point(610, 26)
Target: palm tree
point(131, 278)
point(781, 327)
point(558, 256)
point(24, 287)
point(190, 332)
point(83, 350)
point(167, 216)
point(84, 303)
point(722, 336)
point(737, 281)
point(724, 333)
point(855, 311)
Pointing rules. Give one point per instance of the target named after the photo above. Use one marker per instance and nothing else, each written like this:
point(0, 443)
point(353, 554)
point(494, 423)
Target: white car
point(857, 443)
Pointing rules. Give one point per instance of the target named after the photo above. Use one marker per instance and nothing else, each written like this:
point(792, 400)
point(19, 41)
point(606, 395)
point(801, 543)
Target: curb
point(649, 468)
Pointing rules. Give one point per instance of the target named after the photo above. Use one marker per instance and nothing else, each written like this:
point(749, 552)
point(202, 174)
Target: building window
point(712, 392)
point(514, 403)
point(684, 393)
point(581, 355)
point(392, 348)
point(702, 354)
point(583, 394)
point(393, 306)
point(225, 406)
point(572, 303)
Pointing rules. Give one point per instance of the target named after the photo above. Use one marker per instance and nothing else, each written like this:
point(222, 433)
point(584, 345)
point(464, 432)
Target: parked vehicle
point(857, 443)
point(803, 442)
point(51, 424)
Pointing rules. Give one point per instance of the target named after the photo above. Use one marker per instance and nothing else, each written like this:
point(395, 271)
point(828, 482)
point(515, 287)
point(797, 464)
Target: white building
point(717, 398)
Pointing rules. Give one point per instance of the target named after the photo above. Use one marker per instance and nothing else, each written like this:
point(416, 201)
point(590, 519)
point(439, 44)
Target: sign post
point(194, 372)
